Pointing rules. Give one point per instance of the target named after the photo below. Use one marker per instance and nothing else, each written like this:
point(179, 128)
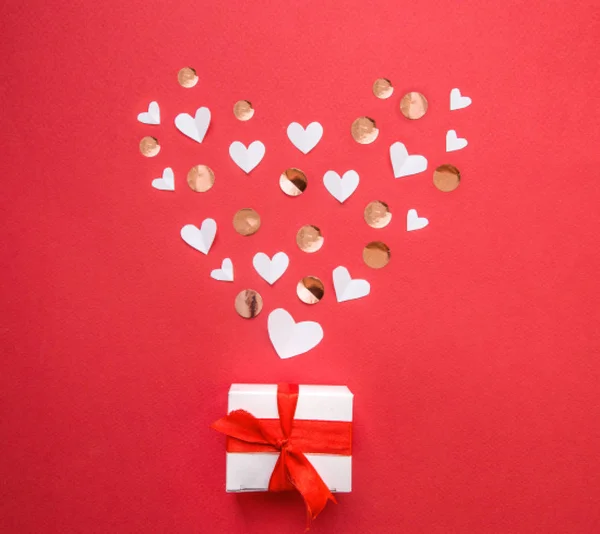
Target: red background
point(474, 361)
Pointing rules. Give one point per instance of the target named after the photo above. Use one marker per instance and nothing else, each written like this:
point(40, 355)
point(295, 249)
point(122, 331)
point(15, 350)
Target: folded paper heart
point(291, 439)
point(341, 187)
point(305, 139)
point(166, 182)
point(404, 164)
point(247, 158)
point(346, 288)
point(457, 101)
point(290, 338)
point(152, 116)
point(453, 142)
point(201, 238)
point(194, 127)
point(414, 222)
point(225, 273)
point(269, 269)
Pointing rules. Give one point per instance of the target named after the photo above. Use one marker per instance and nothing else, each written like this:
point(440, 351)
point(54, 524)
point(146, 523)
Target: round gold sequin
point(446, 178)
point(187, 77)
point(149, 146)
point(376, 254)
point(243, 110)
point(364, 130)
point(413, 105)
point(377, 214)
point(246, 221)
point(200, 178)
point(248, 303)
point(310, 290)
point(309, 238)
point(382, 88)
point(293, 182)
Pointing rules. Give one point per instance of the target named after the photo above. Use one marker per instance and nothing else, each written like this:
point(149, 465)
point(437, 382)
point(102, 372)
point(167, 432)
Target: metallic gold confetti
point(382, 88)
point(377, 214)
point(446, 178)
point(187, 77)
point(310, 290)
point(309, 238)
point(243, 110)
point(248, 303)
point(364, 130)
point(246, 221)
point(200, 178)
point(149, 146)
point(413, 105)
point(376, 254)
point(293, 182)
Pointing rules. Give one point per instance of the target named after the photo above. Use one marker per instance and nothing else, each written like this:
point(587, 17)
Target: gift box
point(285, 437)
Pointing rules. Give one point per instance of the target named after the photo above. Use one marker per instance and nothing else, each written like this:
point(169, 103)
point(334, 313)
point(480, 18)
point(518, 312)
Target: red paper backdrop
point(474, 361)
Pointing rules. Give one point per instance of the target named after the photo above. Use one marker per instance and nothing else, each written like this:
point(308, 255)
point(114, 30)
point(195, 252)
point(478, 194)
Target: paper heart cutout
point(346, 288)
point(152, 116)
point(457, 101)
point(269, 269)
point(403, 164)
point(194, 127)
point(453, 142)
point(200, 238)
point(341, 188)
point(305, 139)
point(166, 182)
point(290, 338)
point(225, 273)
point(247, 158)
point(414, 222)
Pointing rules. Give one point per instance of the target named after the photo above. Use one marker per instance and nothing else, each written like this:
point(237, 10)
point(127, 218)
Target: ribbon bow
point(292, 470)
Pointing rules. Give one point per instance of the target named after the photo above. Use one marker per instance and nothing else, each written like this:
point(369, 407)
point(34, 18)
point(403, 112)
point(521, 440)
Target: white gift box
point(251, 471)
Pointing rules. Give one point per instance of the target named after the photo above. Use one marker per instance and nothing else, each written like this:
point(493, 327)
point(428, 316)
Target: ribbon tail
point(280, 478)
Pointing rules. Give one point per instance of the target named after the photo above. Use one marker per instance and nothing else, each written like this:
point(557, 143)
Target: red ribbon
point(291, 439)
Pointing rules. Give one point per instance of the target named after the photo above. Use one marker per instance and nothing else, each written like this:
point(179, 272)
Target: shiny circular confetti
point(293, 182)
point(243, 110)
point(377, 214)
point(309, 238)
point(200, 178)
point(248, 303)
point(246, 221)
point(382, 88)
point(446, 178)
point(364, 130)
point(187, 77)
point(413, 105)
point(310, 290)
point(149, 146)
point(376, 254)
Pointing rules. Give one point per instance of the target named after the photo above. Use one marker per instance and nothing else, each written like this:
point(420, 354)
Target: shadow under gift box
point(251, 471)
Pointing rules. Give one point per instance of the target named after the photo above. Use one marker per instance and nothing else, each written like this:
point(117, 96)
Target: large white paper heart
point(453, 142)
point(341, 187)
point(403, 164)
point(346, 288)
point(290, 338)
point(247, 158)
point(200, 238)
point(225, 273)
point(414, 222)
point(457, 101)
point(305, 139)
point(166, 182)
point(194, 127)
point(269, 269)
point(152, 116)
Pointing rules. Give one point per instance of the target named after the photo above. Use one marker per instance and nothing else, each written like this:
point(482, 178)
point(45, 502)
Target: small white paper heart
point(346, 288)
point(457, 101)
point(194, 127)
point(290, 338)
point(305, 139)
point(269, 269)
point(200, 238)
point(166, 182)
point(152, 116)
point(453, 142)
point(414, 222)
point(225, 273)
point(403, 164)
point(341, 188)
point(247, 158)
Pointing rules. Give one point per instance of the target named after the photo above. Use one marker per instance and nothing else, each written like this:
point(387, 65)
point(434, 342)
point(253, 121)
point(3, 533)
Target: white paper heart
point(457, 101)
point(194, 127)
point(269, 269)
point(166, 182)
point(305, 139)
point(200, 238)
point(453, 142)
point(403, 164)
point(225, 273)
point(152, 116)
point(414, 222)
point(341, 187)
point(290, 338)
point(247, 158)
point(346, 288)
